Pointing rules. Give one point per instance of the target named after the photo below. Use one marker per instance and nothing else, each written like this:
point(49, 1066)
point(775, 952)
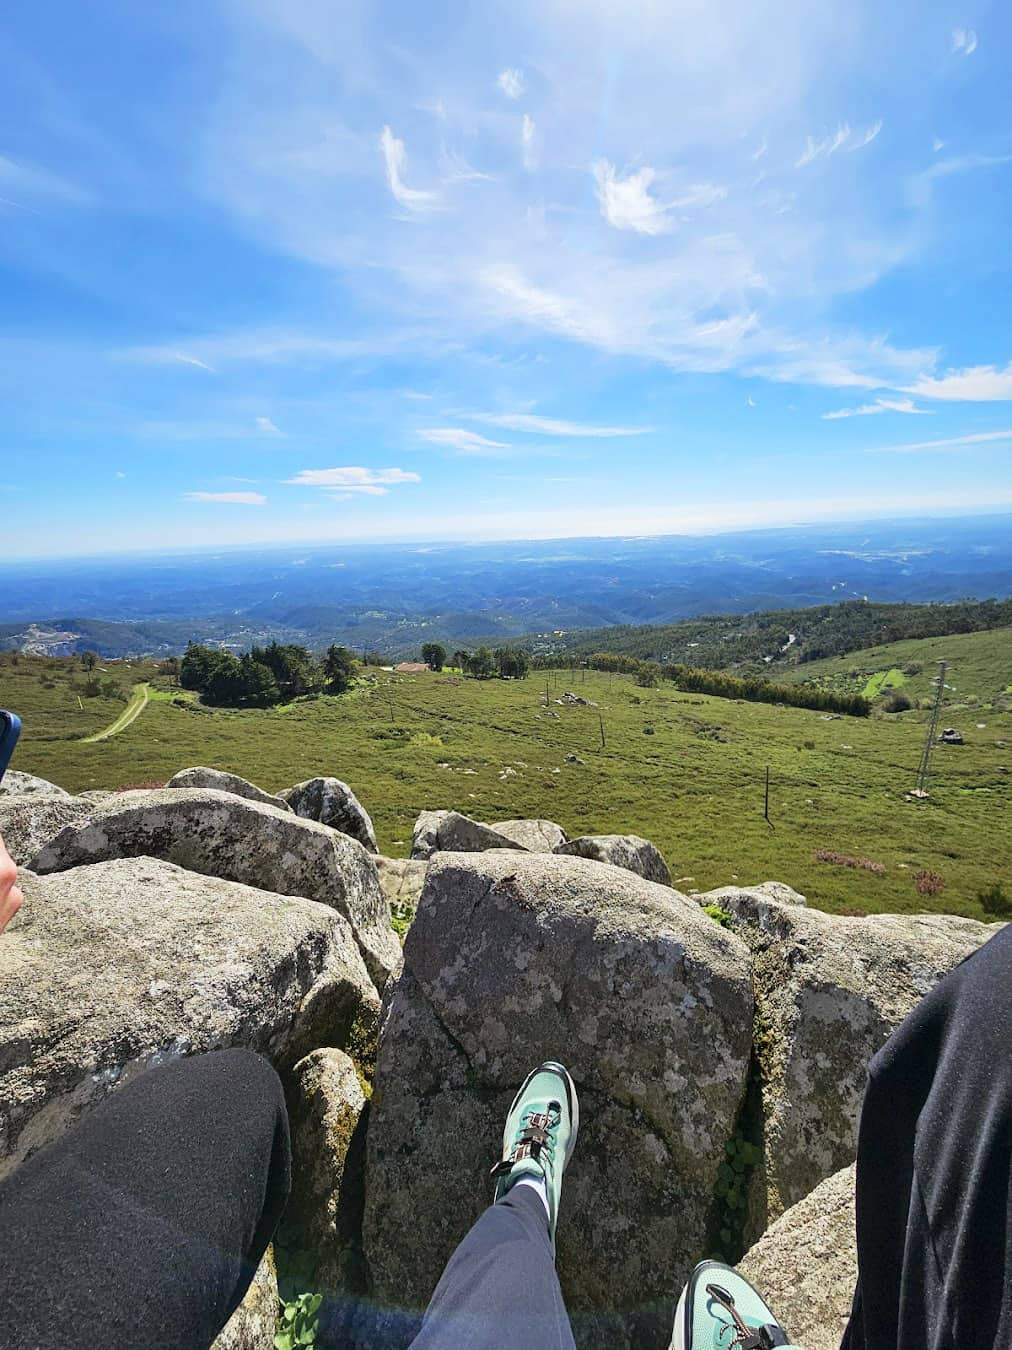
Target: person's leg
point(144, 1224)
point(500, 1289)
point(934, 1170)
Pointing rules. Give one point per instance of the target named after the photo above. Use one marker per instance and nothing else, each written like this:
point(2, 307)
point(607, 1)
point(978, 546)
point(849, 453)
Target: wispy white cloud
point(528, 141)
point(881, 405)
point(823, 149)
point(842, 138)
point(937, 144)
point(35, 183)
point(626, 202)
point(950, 443)
point(511, 82)
point(750, 401)
point(760, 149)
point(551, 426)
point(462, 440)
point(866, 139)
point(964, 164)
point(396, 160)
point(976, 384)
point(964, 40)
point(351, 479)
point(456, 169)
point(119, 474)
point(231, 498)
point(267, 427)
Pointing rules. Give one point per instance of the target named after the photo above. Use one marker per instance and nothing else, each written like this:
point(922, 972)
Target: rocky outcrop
point(109, 969)
point(324, 1215)
point(222, 835)
point(254, 1323)
point(621, 850)
point(763, 890)
point(333, 803)
point(402, 880)
point(513, 959)
point(806, 1264)
point(829, 991)
point(451, 832)
point(537, 836)
point(200, 777)
point(29, 820)
point(14, 783)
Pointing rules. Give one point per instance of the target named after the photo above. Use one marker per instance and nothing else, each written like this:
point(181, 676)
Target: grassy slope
point(836, 784)
point(979, 667)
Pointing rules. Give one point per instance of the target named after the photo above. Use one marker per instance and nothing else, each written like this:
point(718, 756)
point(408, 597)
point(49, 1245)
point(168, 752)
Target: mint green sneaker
point(540, 1135)
point(720, 1310)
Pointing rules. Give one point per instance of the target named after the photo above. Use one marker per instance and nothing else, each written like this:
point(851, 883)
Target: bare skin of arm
point(11, 898)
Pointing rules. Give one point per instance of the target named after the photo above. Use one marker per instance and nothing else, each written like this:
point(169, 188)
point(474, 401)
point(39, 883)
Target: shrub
point(845, 860)
point(897, 702)
point(719, 916)
point(927, 882)
point(994, 902)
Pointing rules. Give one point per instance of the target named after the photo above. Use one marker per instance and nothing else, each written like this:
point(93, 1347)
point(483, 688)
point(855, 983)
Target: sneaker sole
point(572, 1101)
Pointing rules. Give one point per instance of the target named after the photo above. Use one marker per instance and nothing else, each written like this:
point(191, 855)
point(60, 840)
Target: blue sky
point(286, 269)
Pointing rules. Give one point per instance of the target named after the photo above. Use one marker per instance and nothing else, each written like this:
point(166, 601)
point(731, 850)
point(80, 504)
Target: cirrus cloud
point(228, 498)
point(354, 478)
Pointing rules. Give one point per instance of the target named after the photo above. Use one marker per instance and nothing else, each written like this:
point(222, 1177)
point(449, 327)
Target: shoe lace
point(536, 1137)
point(744, 1337)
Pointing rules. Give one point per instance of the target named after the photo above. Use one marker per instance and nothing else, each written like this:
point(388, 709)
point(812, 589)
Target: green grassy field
point(694, 786)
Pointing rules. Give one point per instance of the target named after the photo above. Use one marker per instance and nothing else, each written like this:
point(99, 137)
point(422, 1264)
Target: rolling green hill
point(684, 770)
point(778, 639)
point(979, 668)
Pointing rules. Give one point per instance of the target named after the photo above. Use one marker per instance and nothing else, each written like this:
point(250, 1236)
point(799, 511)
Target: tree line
point(692, 679)
point(264, 676)
point(504, 663)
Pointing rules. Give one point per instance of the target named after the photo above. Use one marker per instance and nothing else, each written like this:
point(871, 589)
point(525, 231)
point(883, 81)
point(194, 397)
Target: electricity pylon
point(922, 776)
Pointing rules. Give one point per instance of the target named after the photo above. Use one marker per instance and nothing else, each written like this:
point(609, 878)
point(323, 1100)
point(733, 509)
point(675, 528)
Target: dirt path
point(138, 702)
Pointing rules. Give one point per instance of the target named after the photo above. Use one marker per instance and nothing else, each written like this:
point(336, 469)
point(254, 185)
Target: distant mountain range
point(393, 598)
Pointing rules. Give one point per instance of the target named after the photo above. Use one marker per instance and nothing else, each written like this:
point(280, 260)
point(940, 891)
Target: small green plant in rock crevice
point(733, 1174)
point(719, 916)
point(299, 1322)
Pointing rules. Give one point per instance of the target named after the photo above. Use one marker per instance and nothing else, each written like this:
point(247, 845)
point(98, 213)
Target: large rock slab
point(14, 783)
point(112, 968)
point(333, 803)
point(326, 1101)
point(451, 832)
point(517, 958)
point(806, 1264)
point(829, 991)
point(222, 835)
point(254, 1323)
point(29, 820)
point(201, 777)
point(537, 836)
point(621, 850)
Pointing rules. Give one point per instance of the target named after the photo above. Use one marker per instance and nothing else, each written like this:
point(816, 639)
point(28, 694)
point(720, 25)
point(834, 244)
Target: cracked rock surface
point(514, 958)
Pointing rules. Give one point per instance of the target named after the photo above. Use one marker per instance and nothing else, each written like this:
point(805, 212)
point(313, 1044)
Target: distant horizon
point(369, 543)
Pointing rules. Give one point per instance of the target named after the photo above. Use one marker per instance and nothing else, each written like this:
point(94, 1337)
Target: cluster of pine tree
point(263, 676)
point(506, 663)
point(755, 690)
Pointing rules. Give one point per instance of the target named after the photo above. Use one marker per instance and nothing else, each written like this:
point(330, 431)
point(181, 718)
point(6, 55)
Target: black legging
point(143, 1226)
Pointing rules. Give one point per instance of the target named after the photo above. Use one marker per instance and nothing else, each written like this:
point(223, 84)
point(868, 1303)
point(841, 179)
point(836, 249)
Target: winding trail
point(138, 702)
